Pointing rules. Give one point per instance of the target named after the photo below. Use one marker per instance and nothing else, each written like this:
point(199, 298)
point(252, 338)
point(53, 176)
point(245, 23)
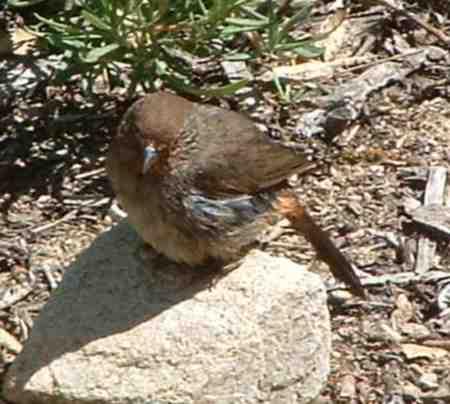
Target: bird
point(202, 184)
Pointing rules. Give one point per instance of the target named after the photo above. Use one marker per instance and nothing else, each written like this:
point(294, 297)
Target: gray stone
point(119, 331)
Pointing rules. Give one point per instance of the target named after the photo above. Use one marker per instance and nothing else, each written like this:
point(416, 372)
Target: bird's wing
point(230, 155)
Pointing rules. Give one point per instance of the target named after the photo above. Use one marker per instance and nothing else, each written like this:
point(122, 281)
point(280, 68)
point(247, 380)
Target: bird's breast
point(149, 214)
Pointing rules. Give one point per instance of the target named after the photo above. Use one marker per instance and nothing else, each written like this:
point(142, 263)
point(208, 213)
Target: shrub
point(145, 43)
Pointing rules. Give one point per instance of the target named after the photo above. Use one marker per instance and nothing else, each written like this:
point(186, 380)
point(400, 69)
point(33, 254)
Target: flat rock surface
point(120, 330)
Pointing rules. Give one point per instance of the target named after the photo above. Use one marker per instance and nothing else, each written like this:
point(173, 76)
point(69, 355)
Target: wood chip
point(9, 341)
point(403, 312)
point(348, 387)
point(402, 278)
point(435, 189)
point(434, 194)
point(443, 344)
point(415, 351)
point(13, 294)
point(435, 217)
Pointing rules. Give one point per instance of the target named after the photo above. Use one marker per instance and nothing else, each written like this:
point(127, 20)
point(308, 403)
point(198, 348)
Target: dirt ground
point(393, 348)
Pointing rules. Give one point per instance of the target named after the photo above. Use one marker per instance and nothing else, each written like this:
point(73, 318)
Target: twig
point(379, 61)
point(90, 173)
point(116, 213)
point(404, 278)
point(47, 226)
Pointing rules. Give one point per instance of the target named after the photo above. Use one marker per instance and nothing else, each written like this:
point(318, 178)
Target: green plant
point(151, 42)
point(24, 3)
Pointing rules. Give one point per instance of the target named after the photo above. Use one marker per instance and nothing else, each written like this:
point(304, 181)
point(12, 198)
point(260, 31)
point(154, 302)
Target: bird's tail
point(340, 267)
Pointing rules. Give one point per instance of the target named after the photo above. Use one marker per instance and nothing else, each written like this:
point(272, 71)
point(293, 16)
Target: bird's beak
point(150, 155)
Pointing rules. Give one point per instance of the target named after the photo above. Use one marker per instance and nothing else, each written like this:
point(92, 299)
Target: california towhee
point(201, 183)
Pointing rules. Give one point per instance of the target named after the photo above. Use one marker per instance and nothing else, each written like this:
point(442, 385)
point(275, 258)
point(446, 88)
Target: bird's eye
point(150, 156)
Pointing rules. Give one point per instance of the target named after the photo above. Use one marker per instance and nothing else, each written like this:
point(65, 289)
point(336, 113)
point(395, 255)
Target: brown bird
point(202, 184)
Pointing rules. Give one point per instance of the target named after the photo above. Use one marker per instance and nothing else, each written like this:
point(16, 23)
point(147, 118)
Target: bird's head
point(148, 131)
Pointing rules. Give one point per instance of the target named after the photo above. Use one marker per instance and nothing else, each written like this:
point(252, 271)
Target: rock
point(119, 331)
point(428, 381)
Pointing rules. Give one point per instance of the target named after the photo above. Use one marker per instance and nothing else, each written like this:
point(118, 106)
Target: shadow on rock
point(106, 291)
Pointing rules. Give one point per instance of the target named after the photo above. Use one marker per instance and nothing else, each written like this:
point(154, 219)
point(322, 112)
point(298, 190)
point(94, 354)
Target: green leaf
point(20, 4)
point(74, 43)
point(94, 55)
point(309, 51)
point(247, 22)
point(273, 26)
point(301, 16)
point(163, 7)
point(238, 56)
point(95, 21)
point(283, 90)
point(57, 26)
point(236, 30)
point(97, 36)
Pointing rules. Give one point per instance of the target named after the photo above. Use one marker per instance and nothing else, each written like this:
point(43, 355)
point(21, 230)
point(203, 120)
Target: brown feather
point(214, 185)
